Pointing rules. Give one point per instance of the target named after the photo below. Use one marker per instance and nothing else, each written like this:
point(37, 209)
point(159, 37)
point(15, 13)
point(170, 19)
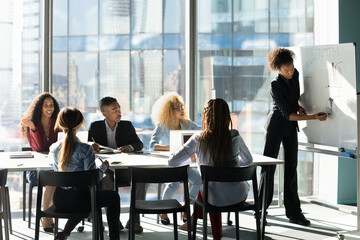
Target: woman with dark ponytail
point(71, 155)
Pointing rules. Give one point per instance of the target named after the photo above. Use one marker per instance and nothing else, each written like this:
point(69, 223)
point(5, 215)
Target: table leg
point(24, 194)
point(264, 198)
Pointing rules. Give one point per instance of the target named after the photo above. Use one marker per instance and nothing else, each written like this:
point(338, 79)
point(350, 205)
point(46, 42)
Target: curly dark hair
point(34, 111)
point(278, 57)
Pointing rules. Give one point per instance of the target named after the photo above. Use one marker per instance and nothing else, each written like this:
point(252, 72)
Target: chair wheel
point(80, 229)
point(229, 223)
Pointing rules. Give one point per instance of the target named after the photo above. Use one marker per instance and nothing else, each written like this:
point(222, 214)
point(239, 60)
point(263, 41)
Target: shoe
point(164, 219)
point(61, 236)
point(50, 228)
point(184, 227)
point(137, 228)
point(299, 219)
point(121, 227)
point(184, 217)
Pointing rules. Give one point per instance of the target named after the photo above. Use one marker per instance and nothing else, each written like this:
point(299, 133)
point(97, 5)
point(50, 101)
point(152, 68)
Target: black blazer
point(285, 95)
point(125, 134)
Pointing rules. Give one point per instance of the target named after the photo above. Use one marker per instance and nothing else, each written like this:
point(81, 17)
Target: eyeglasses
point(179, 108)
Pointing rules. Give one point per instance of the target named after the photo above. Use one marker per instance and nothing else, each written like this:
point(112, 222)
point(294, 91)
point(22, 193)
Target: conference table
point(39, 161)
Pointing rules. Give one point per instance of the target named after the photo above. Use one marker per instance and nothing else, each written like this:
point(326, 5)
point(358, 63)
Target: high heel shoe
point(184, 217)
point(61, 236)
point(49, 229)
point(184, 227)
point(164, 219)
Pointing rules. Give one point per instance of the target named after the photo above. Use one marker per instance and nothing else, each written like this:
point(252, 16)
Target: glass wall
point(234, 37)
point(19, 66)
point(131, 50)
point(19, 76)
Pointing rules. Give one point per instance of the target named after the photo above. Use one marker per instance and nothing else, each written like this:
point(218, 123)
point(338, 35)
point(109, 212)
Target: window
point(234, 37)
point(19, 66)
point(19, 75)
point(131, 50)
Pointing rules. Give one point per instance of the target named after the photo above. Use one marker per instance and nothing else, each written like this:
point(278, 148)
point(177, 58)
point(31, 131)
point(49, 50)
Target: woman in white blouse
point(221, 146)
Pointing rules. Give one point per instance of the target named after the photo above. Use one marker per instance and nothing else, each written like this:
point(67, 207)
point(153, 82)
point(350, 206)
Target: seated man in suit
point(118, 134)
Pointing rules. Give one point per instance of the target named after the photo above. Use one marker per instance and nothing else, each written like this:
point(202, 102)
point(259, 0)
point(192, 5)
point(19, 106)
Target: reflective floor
point(325, 223)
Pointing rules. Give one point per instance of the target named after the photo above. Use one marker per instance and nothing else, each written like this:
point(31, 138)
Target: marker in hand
point(321, 116)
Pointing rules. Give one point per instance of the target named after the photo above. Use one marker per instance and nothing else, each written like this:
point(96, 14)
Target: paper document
point(22, 155)
point(109, 150)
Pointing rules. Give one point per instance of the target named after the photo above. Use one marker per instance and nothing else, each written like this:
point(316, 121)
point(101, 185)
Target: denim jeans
point(194, 178)
point(31, 176)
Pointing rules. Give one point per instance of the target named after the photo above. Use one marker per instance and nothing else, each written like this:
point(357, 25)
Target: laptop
point(179, 137)
point(82, 135)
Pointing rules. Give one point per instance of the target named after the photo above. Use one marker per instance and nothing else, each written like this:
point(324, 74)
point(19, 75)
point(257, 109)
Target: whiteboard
point(327, 76)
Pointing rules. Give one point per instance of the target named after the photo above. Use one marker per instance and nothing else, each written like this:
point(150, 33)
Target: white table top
point(40, 161)
point(158, 158)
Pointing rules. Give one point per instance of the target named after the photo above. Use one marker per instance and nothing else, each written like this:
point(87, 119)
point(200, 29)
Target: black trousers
point(79, 199)
point(272, 146)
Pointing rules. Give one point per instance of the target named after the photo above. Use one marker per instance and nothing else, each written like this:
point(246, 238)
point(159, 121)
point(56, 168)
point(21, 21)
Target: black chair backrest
point(3, 177)
point(227, 174)
point(68, 179)
point(159, 175)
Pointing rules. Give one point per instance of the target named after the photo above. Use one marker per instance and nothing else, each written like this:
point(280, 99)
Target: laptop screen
point(179, 137)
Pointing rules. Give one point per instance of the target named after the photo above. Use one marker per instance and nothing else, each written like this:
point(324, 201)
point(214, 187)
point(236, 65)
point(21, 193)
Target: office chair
point(159, 175)
point(235, 174)
point(5, 203)
point(122, 179)
point(69, 179)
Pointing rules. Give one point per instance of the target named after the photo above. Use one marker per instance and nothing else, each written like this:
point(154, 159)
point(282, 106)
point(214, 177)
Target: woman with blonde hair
point(71, 155)
point(169, 113)
point(37, 126)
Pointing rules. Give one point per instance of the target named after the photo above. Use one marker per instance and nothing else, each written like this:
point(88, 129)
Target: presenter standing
point(282, 127)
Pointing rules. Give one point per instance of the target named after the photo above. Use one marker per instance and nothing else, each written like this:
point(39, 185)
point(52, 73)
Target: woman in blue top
point(168, 114)
point(72, 155)
point(231, 151)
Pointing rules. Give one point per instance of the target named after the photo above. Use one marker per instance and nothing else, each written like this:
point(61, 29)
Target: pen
point(93, 139)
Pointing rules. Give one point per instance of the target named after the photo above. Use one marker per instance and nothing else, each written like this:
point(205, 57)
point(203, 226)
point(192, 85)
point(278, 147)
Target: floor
point(325, 223)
